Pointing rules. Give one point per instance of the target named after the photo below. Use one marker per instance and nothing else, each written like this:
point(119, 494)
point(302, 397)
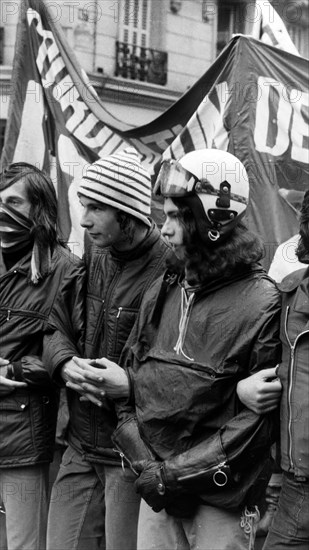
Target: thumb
point(269, 373)
point(104, 363)
point(139, 465)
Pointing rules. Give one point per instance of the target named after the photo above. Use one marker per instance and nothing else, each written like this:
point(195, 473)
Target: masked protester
point(200, 457)
point(38, 276)
point(124, 255)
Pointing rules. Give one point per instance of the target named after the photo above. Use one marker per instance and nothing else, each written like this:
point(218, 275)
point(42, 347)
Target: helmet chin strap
point(211, 232)
point(213, 235)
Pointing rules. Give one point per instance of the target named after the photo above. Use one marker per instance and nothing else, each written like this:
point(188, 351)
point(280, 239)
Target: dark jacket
point(294, 374)
point(115, 288)
point(28, 415)
point(184, 375)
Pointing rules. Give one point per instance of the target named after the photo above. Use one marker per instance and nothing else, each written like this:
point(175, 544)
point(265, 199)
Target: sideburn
point(127, 226)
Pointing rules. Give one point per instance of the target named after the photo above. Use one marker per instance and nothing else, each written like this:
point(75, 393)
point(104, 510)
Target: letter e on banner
point(299, 133)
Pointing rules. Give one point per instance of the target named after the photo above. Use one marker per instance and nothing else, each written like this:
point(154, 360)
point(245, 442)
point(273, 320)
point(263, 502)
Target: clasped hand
point(154, 487)
point(150, 484)
point(260, 392)
point(95, 379)
point(7, 386)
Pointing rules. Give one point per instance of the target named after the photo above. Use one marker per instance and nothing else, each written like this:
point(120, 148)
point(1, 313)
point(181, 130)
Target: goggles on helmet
point(174, 181)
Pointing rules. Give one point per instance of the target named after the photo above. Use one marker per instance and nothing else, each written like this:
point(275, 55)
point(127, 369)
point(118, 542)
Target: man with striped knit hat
point(125, 255)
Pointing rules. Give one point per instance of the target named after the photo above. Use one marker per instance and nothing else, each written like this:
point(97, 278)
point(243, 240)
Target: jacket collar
point(297, 281)
point(245, 272)
point(171, 279)
point(23, 265)
point(293, 280)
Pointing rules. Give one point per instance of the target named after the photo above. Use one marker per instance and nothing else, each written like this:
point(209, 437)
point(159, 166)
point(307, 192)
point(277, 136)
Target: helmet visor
point(174, 181)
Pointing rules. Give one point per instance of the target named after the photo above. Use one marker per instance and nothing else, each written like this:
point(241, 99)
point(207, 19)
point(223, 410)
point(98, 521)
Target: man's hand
point(261, 391)
point(113, 379)
point(7, 386)
point(95, 382)
point(75, 374)
point(150, 484)
point(74, 370)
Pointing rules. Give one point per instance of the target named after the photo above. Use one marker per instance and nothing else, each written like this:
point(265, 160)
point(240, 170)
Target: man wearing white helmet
point(199, 455)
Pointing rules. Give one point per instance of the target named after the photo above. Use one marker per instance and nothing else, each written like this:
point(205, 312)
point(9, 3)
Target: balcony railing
point(143, 64)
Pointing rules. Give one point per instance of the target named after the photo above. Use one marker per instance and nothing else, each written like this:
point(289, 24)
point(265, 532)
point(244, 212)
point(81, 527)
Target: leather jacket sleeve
point(64, 335)
point(222, 459)
point(129, 443)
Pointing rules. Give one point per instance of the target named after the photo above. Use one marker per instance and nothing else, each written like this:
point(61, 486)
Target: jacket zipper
point(290, 382)
point(11, 312)
point(217, 470)
point(124, 458)
point(107, 299)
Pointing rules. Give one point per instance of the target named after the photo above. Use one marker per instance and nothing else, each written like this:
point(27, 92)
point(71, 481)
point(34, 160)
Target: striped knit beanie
point(120, 180)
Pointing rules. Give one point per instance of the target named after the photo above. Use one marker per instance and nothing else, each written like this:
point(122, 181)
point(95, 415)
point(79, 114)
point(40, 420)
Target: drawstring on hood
point(186, 305)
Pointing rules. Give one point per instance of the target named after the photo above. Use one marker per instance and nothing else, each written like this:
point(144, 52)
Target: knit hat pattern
point(120, 181)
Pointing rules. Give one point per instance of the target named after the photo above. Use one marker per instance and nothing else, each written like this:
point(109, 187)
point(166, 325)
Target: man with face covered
point(38, 277)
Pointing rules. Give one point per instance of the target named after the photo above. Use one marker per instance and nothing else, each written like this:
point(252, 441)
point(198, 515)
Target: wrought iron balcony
point(139, 63)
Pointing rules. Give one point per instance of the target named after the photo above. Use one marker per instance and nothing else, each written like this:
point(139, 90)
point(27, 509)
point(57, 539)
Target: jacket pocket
point(27, 428)
point(8, 314)
point(16, 428)
point(125, 319)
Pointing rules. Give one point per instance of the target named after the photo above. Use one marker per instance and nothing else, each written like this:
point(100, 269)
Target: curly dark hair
point(42, 197)
point(203, 262)
point(302, 251)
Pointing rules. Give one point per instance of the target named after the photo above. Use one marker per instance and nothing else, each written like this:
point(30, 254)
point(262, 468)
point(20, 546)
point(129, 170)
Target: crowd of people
point(176, 351)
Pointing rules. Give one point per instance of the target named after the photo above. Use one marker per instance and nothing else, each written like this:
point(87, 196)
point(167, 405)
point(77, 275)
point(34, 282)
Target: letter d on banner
point(272, 119)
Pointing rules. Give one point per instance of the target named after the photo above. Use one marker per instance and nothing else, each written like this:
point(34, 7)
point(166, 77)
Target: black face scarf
point(14, 229)
point(15, 234)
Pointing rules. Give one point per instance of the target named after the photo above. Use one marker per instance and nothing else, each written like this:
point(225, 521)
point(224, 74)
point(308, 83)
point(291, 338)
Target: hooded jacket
point(27, 311)
point(294, 374)
point(184, 368)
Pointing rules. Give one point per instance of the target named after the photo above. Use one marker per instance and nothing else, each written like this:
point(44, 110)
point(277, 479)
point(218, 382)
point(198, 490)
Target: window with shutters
point(231, 20)
point(135, 57)
point(135, 22)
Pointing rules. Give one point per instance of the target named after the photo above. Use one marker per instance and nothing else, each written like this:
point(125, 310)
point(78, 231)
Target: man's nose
point(166, 229)
point(85, 220)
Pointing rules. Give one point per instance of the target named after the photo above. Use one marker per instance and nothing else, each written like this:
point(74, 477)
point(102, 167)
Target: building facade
point(142, 55)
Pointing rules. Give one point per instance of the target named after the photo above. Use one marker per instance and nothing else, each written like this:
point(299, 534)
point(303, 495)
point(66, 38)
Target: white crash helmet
point(215, 185)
